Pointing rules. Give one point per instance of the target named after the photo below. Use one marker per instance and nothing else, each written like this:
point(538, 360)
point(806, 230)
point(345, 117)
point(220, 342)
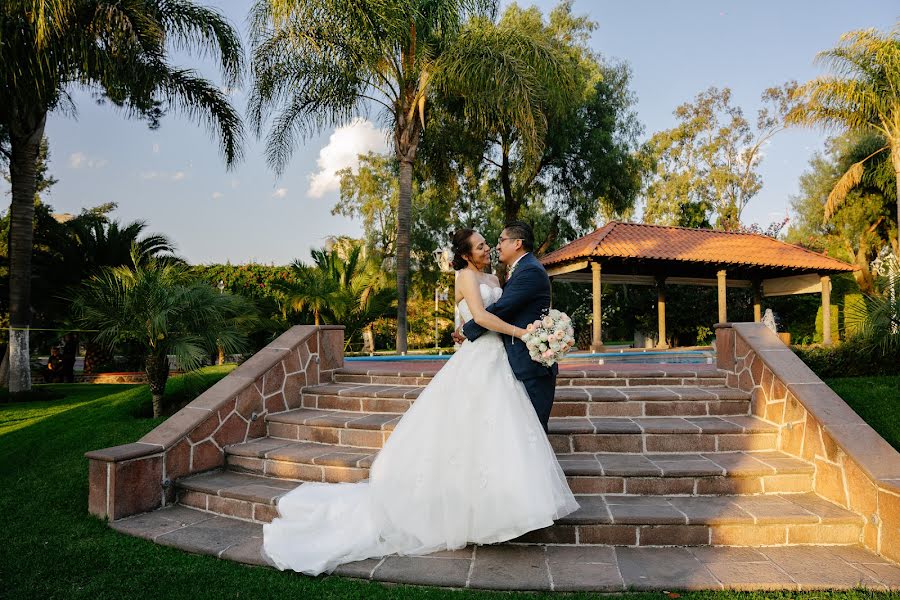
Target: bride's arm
point(467, 283)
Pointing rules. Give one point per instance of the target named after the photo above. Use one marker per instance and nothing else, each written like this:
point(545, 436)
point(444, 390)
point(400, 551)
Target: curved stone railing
point(854, 466)
point(138, 477)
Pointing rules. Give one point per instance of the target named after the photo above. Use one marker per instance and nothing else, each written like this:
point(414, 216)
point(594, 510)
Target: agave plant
point(159, 307)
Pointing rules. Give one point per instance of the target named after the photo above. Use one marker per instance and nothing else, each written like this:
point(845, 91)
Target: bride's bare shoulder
point(466, 276)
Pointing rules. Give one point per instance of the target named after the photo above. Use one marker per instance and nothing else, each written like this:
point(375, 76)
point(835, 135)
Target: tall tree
point(321, 63)
point(862, 96)
point(560, 158)
point(863, 222)
point(121, 49)
point(705, 170)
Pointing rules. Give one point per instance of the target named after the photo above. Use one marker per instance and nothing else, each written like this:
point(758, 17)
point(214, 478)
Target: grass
point(51, 548)
point(876, 400)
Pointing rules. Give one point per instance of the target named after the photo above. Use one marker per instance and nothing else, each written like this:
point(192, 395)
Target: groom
point(526, 298)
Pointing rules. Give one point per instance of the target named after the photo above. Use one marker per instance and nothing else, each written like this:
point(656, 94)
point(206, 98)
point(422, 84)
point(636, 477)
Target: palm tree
point(98, 243)
point(362, 297)
point(339, 287)
point(313, 289)
point(324, 63)
point(864, 97)
point(49, 47)
point(101, 242)
point(161, 308)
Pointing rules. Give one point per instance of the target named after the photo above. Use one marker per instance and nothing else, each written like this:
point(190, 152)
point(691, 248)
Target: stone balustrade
point(138, 477)
point(854, 466)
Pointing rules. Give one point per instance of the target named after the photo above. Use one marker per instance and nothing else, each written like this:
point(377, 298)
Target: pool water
point(692, 357)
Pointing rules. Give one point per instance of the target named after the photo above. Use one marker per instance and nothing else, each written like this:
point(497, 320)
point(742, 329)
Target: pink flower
point(548, 353)
point(548, 322)
point(537, 323)
point(530, 327)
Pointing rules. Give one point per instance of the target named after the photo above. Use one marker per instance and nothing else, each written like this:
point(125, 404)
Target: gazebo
point(641, 254)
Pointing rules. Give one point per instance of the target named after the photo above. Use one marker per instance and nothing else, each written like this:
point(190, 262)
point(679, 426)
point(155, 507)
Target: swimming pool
point(693, 357)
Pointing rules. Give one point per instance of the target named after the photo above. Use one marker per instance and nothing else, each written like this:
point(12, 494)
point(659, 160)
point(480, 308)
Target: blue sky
point(174, 178)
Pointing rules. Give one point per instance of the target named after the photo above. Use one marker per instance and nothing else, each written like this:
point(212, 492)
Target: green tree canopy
point(862, 96)
point(121, 50)
point(705, 170)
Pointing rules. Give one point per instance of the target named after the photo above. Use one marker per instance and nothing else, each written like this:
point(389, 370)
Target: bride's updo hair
point(461, 244)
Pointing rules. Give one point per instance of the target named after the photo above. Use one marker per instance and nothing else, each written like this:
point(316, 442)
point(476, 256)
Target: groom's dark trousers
point(526, 297)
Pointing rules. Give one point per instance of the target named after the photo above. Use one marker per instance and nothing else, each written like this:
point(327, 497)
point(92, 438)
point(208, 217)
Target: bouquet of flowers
point(549, 339)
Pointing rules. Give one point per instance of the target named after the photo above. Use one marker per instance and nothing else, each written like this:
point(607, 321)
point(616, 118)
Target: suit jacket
point(526, 297)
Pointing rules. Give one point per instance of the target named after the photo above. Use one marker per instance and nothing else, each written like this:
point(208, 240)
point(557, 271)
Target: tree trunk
point(4, 369)
point(510, 205)
point(157, 369)
point(25, 147)
point(404, 214)
point(895, 157)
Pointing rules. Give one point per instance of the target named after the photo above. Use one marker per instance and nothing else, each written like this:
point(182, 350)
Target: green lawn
point(52, 548)
point(876, 400)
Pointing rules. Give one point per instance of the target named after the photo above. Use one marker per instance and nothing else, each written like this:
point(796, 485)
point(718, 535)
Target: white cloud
point(342, 151)
point(280, 193)
point(155, 148)
point(217, 195)
point(163, 175)
point(80, 160)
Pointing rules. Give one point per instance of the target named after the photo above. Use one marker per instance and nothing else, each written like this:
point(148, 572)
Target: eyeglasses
point(505, 239)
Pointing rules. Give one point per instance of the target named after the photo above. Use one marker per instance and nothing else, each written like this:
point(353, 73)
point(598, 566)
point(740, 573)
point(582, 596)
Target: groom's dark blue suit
point(526, 297)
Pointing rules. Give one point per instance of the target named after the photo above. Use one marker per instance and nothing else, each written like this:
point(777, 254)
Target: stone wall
point(138, 477)
point(854, 466)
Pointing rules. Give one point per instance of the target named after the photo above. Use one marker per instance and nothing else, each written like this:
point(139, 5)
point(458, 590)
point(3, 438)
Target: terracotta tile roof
point(658, 242)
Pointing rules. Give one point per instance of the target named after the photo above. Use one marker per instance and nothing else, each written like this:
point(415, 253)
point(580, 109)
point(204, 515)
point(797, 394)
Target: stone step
point(567, 434)
point(570, 401)
point(769, 520)
point(603, 473)
point(597, 376)
point(553, 568)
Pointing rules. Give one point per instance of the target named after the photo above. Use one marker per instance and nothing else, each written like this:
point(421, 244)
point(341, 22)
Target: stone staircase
point(656, 458)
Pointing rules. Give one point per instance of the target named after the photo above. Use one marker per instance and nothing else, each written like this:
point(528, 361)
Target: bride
point(468, 463)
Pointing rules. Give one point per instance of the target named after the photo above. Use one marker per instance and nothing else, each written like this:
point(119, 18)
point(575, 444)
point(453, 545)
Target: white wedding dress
point(467, 463)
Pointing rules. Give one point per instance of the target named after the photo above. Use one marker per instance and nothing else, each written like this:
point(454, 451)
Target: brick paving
point(551, 567)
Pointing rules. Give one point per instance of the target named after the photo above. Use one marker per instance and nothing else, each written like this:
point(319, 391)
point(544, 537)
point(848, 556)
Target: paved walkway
point(552, 568)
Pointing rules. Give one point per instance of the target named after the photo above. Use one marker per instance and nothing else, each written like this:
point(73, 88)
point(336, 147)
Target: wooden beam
point(563, 269)
point(794, 284)
point(826, 310)
point(661, 312)
point(596, 339)
point(723, 311)
point(612, 278)
point(757, 302)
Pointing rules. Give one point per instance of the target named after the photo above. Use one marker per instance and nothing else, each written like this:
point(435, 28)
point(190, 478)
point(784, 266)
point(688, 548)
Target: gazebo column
point(757, 301)
point(661, 312)
point(723, 312)
point(596, 339)
point(826, 310)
